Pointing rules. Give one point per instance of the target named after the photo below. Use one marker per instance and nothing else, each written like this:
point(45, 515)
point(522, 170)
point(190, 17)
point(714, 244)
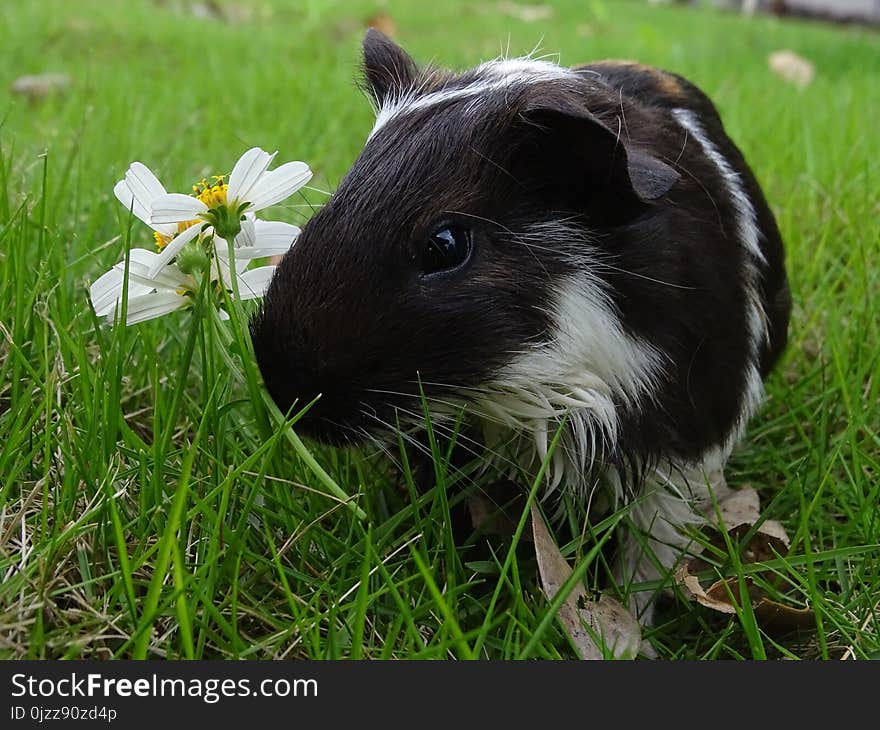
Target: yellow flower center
point(162, 240)
point(211, 194)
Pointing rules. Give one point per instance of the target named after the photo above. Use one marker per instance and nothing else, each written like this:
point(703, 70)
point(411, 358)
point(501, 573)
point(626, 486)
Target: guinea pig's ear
point(600, 148)
point(388, 69)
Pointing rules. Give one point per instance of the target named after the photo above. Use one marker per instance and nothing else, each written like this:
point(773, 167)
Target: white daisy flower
point(170, 290)
point(228, 207)
point(140, 190)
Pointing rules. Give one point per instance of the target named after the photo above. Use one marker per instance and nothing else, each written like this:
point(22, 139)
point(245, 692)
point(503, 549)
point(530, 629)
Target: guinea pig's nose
point(295, 378)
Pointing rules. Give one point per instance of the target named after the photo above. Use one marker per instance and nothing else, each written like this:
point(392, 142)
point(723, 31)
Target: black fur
point(350, 316)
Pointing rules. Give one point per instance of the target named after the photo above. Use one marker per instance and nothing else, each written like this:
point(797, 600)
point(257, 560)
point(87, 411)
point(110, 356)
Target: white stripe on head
point(749, 234)
point(489, 76)
point(524, 70)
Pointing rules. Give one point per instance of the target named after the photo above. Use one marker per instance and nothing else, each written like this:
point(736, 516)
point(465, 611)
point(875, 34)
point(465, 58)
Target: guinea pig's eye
point(448, 248)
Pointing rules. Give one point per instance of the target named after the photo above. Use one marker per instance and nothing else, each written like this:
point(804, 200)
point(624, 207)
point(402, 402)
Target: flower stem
point(233, 273)
point(243, 340)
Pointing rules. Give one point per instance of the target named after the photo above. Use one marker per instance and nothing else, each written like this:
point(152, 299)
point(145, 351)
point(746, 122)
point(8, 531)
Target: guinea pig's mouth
point(322, 421)
point(337, 421)
point(329, 432)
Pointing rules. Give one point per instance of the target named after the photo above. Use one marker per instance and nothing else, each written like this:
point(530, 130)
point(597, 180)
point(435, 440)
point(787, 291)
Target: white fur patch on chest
point(580, 376)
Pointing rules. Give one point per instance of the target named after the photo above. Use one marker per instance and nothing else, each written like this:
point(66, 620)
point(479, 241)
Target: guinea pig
point(541, 247)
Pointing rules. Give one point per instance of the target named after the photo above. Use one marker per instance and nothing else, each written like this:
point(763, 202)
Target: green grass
point(142, 510)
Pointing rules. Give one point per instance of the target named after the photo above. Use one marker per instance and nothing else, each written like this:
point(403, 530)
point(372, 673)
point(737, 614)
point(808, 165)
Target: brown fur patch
point(663, 82)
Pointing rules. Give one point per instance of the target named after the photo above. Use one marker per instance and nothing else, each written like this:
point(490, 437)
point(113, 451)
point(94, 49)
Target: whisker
point(458, 406)
point(382, 448)
point(479, 447)
point(403, 434)
point(605, 264)
point(464, 476)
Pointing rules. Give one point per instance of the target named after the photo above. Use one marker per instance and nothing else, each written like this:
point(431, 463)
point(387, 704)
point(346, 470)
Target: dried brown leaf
point(723, 592)
point(740, 507)
point(777, 618)
point(39, 86)
point(526, 13)
point(762, 545)
point(223, 11)
point(384, 23)
point(792, 68)
point(740, 511)
point(723, 596)
point(605, 617)
point(709, 598)
point(226, 12)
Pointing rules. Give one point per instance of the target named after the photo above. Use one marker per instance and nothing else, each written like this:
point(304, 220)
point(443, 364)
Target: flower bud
point(226, 223)
point(193, 259)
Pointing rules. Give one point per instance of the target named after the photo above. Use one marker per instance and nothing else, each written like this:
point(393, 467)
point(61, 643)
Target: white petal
point(108, 287)
point(141, 261)
point(142, 256)
point(259, 252)
point(276, 232)
point(151, 306)
point(106, 282)
point(176, 208)
point(138, 191)
point(250, 166)
point(248, 235)
point(172, 249)
point(253, 283)
point(272, 238)
point(278, 184)
point(107, 291)
point(169, 277)
point(143, 183)
point(126, 197)
point(276, 235)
